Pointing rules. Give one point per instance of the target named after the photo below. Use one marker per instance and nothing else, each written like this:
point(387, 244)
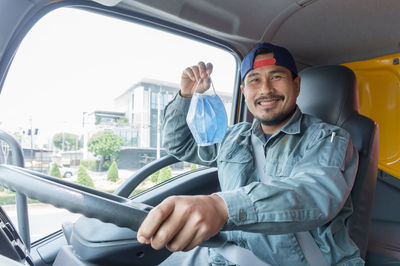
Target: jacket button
point(229, 156)
point(242, 215)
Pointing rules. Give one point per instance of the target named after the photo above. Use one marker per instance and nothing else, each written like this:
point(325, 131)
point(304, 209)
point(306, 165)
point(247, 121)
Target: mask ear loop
point(211, 83)
point(206, 161)
point(219, 144)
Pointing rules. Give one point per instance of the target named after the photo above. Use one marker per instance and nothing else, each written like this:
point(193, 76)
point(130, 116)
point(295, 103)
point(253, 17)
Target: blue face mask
point(207, 119)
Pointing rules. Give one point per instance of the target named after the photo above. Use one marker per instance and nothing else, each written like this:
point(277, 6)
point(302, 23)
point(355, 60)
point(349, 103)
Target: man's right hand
point(192, 75)
point(181, 223)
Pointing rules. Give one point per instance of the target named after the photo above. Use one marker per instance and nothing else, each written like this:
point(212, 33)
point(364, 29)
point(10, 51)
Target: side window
point(84, 96)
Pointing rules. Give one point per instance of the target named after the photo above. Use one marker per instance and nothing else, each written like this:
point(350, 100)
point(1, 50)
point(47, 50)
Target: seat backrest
point(330, 92)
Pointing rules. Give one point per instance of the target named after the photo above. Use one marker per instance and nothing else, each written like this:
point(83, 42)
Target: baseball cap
point(282, 57)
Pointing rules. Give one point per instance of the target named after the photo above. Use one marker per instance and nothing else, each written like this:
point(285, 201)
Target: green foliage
point(106, 165)
point(136, 191)
point(9, 199)
point(91, 165)
point(105, 144)
point(161, 175)
point(4, 190)
point(165, 174)
point(84, 178)
point(71, 141)
point(98, 120)
point(102, 120)
point(154, 176)
point(193, 166)
point(9, 191)
point(122, 120)
point(55, 171)
point(112, 174)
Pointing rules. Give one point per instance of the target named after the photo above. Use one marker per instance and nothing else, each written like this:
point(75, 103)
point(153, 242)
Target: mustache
point(269, 97)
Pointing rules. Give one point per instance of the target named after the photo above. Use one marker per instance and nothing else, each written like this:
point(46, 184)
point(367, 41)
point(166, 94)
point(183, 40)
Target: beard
point(277, 119)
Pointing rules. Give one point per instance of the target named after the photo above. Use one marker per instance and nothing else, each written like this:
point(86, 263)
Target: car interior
point(347, 53)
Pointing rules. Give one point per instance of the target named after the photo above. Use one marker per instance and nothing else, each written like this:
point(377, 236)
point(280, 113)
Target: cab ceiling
point(316, 31)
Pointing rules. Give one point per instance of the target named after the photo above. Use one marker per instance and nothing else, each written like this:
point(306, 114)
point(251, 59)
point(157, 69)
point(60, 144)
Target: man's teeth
point(266, 102)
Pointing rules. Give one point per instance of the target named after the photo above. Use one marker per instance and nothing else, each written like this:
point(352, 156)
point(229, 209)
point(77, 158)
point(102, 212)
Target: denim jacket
point(312, 166)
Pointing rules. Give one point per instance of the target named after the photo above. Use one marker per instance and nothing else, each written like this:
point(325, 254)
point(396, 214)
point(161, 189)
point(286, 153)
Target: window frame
point(33, 16)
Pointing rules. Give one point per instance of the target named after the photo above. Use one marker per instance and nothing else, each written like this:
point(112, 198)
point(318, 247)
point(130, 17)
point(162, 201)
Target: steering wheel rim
point(76, 198)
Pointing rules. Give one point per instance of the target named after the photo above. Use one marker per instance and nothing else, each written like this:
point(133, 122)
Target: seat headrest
point(328, 92)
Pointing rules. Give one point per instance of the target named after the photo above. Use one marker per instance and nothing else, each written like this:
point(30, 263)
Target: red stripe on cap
point(265, 62)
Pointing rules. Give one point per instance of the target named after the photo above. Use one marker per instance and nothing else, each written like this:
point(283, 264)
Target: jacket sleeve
point(176, 136)
point(313, 194)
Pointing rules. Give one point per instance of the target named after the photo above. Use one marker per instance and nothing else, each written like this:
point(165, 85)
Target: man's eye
point(276, 77)
point(253, 80)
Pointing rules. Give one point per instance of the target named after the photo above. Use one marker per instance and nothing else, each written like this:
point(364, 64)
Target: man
point(303, 184)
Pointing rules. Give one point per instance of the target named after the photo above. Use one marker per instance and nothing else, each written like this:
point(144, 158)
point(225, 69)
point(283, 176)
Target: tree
point(84, 178)
point(154, 176)
point(105, 144)
point(71, 141)
point(165, 174)
point(55, 171)
point(112, 174)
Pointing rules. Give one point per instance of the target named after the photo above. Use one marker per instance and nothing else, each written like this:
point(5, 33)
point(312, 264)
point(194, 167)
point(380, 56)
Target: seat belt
point(245, 257)
point(240, 256)
point(310, 249)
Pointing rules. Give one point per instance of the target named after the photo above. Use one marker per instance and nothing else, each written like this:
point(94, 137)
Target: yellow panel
point(378, 83)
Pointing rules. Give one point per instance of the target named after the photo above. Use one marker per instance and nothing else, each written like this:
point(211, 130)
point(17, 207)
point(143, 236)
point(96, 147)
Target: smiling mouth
point(268, 101)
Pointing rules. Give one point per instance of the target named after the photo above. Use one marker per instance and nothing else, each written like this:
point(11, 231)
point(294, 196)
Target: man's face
point(271, 93)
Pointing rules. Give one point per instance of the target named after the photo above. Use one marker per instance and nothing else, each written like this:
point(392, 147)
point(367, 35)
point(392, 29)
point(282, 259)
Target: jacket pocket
point(279, 169)
point(238, 154)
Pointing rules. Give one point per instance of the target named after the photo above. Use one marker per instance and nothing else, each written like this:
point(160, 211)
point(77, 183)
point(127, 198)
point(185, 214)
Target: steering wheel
point(106, 207)
point(76, 198)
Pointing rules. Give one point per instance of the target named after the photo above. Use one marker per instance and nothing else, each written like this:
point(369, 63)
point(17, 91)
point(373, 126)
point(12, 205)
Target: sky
point(73, 61)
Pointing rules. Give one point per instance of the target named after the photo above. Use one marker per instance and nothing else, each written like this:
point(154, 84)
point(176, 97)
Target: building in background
point(136, 118)
point(143, 104)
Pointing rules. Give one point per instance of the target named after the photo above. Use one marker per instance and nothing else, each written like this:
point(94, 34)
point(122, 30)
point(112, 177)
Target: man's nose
point(266, 86)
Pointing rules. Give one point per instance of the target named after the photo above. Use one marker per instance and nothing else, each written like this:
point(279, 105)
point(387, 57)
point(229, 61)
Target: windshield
point(84, 96)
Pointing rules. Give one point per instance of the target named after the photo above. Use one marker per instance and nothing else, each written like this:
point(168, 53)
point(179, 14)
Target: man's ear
point(242, 89)
point(297, 82)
